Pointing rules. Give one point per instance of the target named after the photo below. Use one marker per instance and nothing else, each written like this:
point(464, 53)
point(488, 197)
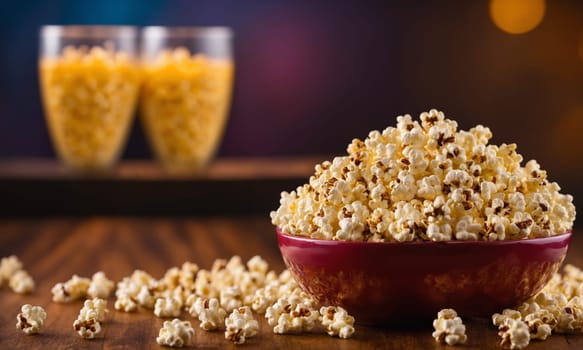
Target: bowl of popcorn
point(422, 217)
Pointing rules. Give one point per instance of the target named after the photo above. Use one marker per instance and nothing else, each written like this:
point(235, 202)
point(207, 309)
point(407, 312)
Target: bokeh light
point(517, 16)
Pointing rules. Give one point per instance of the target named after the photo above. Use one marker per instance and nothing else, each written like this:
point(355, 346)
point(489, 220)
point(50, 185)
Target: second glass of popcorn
point(89, 79)
point(186, 93)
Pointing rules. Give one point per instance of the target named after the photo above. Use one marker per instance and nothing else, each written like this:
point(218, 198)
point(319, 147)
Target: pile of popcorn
point(12, 272)
point(426, 180)
point(226, 297)
point(557, 308)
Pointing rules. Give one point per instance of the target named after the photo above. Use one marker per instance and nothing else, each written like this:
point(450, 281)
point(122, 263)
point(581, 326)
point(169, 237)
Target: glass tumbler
point(186, 92)
point(90, 80)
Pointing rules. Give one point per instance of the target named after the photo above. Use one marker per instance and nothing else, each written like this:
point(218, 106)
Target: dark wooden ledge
point(237, 186)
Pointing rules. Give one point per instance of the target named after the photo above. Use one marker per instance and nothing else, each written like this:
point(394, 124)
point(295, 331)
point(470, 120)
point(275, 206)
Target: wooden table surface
point(54, 249)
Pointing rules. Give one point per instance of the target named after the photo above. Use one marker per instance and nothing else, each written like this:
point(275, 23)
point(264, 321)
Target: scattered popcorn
point(225, 273)
point(257, 264)
point(514, 333)
point(557, 308)
point(91, 315)
point(572, 273)
point(140, 278)
point(498, 319)
point(8, 267)
point(449, 328)
point(175, 333)
point(426, 180)
point(337, 321)
point(146, 297)
point(87, 328)
point(167, 307)
point(209, 313)
point(31, 319)
point(292, 314)
point(231, 298)
point(171, 278)
point(570, 317)
point(265, 297)
point(187, 276)
point(287, 284)
point(229, 285)
point(178, 293)
point(540, 324)
point(242, 287)
point(240, 325)
point(74, 289)
point(21, 282)
point(11, 271)
point(138, 289)
point(125, 303)
point(100, 286)
point(96, 308)
point(203, 285)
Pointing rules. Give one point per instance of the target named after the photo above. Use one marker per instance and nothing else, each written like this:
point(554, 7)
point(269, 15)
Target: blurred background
point(312, 75)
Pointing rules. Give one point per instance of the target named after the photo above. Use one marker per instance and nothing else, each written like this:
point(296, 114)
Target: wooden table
point(54, 249)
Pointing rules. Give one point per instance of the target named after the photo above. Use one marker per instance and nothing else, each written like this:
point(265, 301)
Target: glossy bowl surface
point(384, 283)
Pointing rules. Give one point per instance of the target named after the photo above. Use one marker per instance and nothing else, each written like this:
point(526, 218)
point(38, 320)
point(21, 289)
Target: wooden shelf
point(234, 186)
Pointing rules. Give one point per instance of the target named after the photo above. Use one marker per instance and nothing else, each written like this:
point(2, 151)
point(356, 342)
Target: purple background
point(312, 75)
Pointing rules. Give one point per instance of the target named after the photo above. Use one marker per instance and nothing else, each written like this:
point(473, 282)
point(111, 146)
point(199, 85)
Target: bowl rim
point(320, 241)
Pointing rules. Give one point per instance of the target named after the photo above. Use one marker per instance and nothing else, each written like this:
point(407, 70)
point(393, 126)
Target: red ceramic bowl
point(382, 283)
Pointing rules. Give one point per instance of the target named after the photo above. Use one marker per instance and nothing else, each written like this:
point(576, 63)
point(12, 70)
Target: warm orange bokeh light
point(517, 16)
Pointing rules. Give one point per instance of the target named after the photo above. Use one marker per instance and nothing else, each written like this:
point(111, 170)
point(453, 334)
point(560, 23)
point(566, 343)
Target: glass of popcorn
point(186, 92)
point(89, 79)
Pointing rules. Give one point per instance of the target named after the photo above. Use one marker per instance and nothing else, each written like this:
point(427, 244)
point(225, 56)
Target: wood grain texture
point(54, 249)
